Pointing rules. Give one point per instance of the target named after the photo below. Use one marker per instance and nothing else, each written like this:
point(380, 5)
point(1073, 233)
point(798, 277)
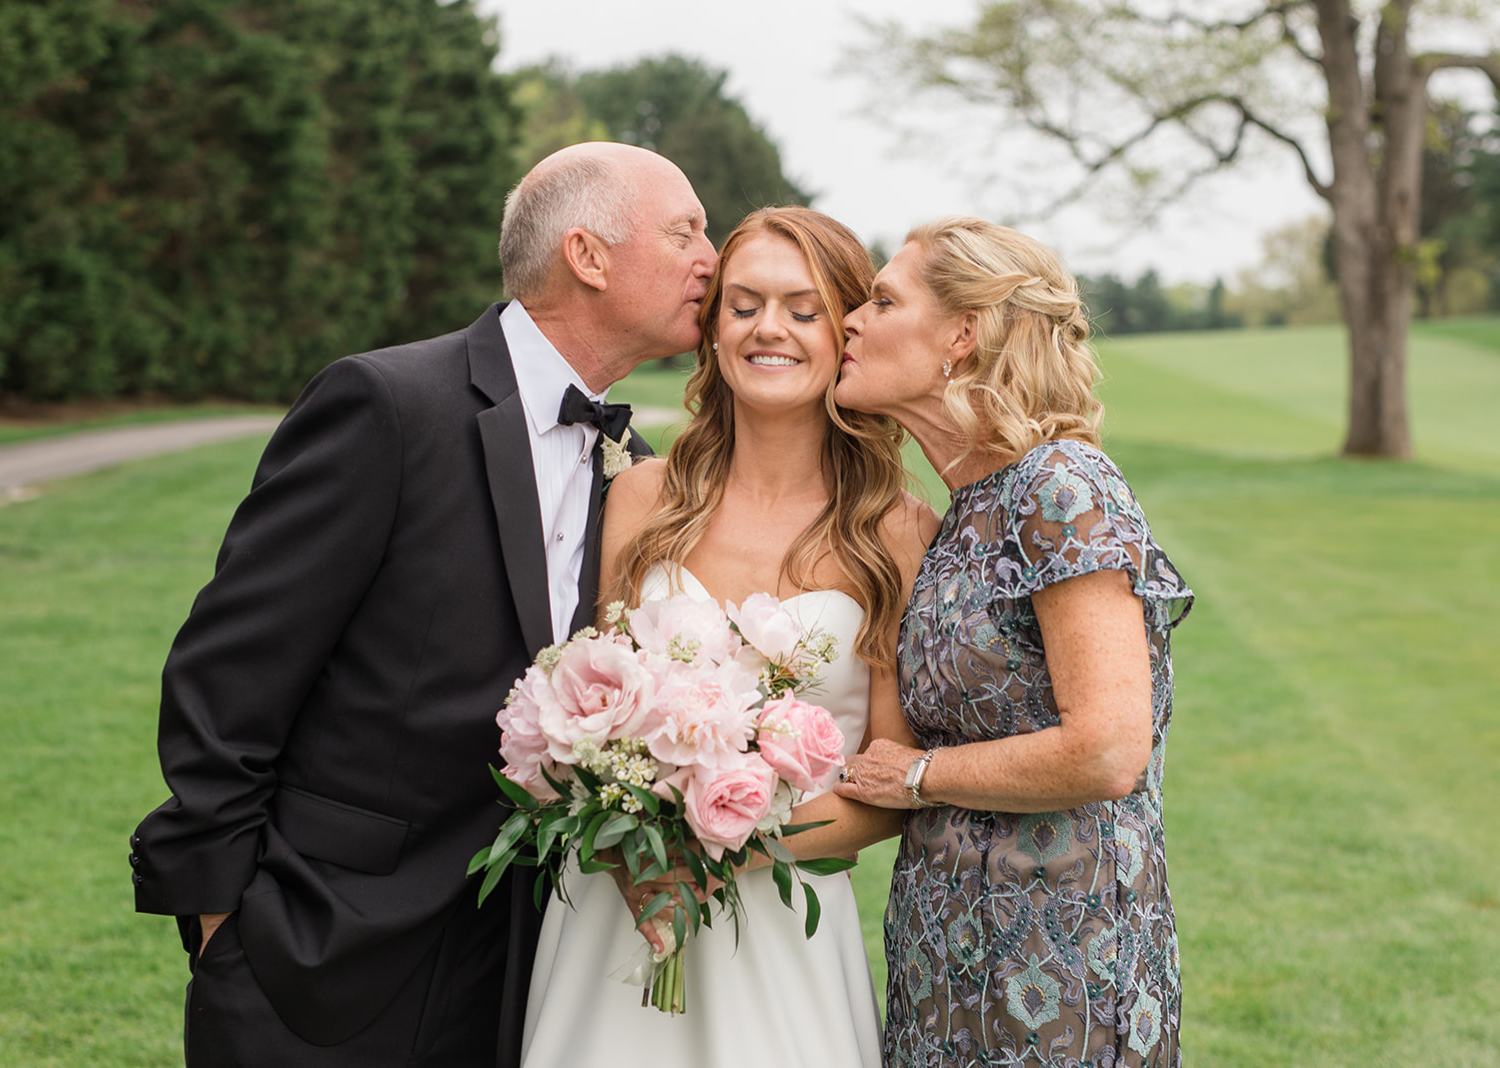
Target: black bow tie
point(611, 419)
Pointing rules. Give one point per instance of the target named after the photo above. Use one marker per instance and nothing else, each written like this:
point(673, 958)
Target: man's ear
point(587, 258)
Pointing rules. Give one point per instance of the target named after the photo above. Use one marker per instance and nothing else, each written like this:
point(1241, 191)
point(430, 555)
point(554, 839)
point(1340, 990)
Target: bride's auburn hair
point(861, 455)
point(1031, 376)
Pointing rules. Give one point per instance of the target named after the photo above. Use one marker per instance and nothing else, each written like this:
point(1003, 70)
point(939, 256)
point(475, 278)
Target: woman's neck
point(943, 443)
point(778, 456)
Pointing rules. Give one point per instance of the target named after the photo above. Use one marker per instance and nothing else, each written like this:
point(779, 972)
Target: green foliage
point(1458, 268)
point(672, 105)
point(218, 197)
point(1119, 307)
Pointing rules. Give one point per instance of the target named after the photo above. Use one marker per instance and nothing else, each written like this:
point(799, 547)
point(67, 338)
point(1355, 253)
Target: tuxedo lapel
point(512, 478)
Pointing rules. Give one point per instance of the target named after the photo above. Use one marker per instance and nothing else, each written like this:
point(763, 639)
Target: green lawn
point(1335, 864)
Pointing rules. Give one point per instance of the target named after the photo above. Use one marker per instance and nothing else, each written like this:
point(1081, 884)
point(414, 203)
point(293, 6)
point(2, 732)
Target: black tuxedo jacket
point(328, 708)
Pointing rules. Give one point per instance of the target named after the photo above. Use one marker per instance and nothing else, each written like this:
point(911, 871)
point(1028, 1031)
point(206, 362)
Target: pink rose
point(722, 807)
point(598, 690)
point(801, 741)
point(704, 716)
point(522, 744)
point(689, 620)
point(767, 625)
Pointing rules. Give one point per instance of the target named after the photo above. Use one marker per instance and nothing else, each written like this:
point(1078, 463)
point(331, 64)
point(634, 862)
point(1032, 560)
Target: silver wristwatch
point(914, 778)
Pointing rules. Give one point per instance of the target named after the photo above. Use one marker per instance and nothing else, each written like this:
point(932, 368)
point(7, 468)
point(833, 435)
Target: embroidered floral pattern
point(1043, 938)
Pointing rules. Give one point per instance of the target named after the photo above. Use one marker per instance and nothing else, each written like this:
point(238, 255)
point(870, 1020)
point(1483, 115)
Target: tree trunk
point(1374, 221)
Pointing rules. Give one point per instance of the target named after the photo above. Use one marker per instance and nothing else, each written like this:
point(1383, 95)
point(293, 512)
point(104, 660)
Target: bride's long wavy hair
point(860, 461)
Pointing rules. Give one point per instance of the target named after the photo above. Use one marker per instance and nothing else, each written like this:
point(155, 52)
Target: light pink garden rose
point(768, 626)
point(704, 716)
point(722, 807)
point(522, 744)
point(656, 623)
point(599, 690)
point(801, 741)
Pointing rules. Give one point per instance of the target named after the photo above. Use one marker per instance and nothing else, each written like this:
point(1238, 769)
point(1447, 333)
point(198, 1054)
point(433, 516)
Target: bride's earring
point(716, 346)
point(947, 367)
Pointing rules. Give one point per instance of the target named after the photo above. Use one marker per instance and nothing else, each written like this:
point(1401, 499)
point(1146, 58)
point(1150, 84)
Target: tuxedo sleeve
point(298, 556)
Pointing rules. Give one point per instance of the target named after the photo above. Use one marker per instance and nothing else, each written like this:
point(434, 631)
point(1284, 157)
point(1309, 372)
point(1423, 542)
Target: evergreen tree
point(220, 196)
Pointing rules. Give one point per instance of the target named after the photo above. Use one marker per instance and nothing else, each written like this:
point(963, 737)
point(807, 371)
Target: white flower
point(781, 810)
point(617, 457)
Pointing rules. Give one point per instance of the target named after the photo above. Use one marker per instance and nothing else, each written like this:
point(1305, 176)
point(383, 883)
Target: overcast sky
point(784, 59)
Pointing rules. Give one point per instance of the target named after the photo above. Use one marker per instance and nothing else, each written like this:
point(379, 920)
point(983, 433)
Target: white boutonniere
point(617, 456)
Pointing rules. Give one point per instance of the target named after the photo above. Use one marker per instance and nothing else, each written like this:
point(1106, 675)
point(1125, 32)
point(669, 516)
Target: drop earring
point(947, 368)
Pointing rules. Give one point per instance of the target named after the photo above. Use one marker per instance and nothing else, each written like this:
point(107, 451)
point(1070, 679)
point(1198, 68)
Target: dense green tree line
point(218, 196)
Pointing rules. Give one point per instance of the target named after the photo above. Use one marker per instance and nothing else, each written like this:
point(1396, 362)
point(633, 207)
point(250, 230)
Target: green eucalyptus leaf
point(826, 865)
point(782, 873)
point(658, 847)
point(814, 909)
point(490, 879)
point(798, 828)
point(614, 829)
point(655, 905)
point(515, 791)
point(779, 851)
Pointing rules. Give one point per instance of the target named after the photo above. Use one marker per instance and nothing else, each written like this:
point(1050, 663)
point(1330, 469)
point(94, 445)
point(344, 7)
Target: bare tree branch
point(1179, 17)
point(1431, 61)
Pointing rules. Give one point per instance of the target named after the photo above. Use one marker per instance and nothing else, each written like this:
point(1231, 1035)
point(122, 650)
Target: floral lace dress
point(1043, 939)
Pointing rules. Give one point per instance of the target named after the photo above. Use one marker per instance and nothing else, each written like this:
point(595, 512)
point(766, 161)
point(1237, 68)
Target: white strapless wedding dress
point(780, 1000)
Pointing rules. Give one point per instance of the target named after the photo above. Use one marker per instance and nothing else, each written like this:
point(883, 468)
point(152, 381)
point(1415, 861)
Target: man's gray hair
point(587, 193)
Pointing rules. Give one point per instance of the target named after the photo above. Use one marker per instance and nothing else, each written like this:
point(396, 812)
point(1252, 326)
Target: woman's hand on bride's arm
point(878, 775)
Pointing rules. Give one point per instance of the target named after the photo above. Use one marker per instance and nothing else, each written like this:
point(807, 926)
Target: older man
point(421, 524)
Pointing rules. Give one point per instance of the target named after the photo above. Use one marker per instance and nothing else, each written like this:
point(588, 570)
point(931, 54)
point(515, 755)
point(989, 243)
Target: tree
point(672, 105)
point(220, 196)
point(1163, 93)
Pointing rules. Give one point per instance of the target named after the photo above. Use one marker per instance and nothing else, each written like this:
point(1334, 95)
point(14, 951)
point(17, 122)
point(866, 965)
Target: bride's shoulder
point(639, 484)
point(911, 522)
point(909, 528)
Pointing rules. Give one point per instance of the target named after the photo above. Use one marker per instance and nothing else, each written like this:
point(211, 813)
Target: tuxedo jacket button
point(137, 878)
point(135, 860)
point(135, 841)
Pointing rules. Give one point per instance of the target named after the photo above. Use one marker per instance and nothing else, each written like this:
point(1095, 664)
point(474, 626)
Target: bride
point(769, 488)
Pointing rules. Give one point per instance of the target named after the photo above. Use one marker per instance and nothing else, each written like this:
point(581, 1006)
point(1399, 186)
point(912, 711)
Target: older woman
point(1029, 921)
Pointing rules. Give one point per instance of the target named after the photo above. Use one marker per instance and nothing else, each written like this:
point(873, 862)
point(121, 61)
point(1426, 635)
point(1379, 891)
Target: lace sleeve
point(1071, 513)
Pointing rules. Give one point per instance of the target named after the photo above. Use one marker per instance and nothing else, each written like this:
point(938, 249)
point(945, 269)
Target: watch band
point(914, 778)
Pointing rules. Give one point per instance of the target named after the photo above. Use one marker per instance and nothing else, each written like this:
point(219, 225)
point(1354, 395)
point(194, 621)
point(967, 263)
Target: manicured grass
point(1330, 784)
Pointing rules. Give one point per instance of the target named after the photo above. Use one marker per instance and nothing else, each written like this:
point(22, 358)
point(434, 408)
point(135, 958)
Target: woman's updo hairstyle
point(1031, 376)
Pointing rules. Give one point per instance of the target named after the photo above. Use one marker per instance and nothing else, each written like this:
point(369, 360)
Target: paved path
point(29, 462)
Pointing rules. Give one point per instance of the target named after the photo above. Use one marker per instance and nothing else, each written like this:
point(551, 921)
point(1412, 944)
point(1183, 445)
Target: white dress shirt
point(560, 455)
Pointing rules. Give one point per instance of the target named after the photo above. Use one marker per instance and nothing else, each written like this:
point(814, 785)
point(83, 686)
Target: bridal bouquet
point(677, 740)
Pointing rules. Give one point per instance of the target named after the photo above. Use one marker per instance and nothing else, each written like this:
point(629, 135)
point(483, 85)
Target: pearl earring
point(716, 346)
point(947, 368)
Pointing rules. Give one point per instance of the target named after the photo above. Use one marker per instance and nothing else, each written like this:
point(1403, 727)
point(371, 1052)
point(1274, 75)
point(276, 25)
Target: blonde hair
point(1032, 373)
point(861, 456)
